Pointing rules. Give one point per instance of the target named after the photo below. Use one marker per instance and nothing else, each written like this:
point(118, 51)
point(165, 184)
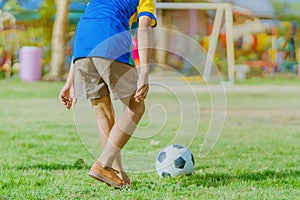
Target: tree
point(12, 6)
point(286, 11)
point(58, 43)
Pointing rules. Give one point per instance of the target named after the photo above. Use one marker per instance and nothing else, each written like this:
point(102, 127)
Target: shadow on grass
point(79, 164)
point(203, 180)
point(222, 179)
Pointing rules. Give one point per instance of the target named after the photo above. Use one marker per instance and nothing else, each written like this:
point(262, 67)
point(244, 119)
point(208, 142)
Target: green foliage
point(286, 11)
point(12, 6)
point(37, 32)
point(184, 1)
point(47, 9)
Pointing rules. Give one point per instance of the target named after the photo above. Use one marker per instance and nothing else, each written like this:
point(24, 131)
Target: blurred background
point(265, 36)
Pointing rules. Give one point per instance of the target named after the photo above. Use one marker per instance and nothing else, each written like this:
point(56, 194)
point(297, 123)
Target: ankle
point(102, 164)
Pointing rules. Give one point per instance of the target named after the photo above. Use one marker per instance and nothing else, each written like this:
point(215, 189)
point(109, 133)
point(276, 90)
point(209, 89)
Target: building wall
point(189, 22)
point(194, 23)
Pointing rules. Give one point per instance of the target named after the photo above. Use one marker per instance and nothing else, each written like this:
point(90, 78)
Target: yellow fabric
point(146, 6)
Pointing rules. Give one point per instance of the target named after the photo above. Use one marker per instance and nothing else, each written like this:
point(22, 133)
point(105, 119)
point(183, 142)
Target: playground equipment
point(250, 37)
point(19, 28)
point(7, 21)
point(220, 8)
point(278, 51)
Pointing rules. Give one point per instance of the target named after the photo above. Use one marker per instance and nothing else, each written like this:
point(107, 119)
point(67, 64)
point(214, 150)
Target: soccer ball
point(174, 160)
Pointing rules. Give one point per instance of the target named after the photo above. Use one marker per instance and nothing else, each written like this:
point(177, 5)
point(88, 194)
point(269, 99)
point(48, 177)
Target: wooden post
point(229, 43)
point(213, 43)
point(220, 7)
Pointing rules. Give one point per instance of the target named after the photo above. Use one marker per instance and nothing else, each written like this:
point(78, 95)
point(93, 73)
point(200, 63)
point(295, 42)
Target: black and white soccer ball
point(174, 160)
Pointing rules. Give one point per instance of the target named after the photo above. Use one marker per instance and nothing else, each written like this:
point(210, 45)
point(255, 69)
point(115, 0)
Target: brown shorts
point(96, 77)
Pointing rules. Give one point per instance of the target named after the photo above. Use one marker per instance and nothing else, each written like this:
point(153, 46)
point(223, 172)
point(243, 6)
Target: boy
point(101, 66)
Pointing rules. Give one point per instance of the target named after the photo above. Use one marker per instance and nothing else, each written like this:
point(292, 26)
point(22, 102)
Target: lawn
point(257, 155)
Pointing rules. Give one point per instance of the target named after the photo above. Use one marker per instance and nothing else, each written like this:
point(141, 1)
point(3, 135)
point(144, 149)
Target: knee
point(137, 110)
point(141, 109)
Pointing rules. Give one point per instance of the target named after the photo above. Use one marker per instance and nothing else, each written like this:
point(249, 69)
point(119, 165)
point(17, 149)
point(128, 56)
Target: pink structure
point(30, 64)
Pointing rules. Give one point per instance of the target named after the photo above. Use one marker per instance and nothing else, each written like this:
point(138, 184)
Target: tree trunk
point(60, 28)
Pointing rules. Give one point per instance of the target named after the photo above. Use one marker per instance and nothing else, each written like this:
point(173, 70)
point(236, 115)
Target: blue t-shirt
point(103, 28)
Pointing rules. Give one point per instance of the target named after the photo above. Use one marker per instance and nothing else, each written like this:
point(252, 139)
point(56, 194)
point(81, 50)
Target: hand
point(142, 88)
point(66, 95)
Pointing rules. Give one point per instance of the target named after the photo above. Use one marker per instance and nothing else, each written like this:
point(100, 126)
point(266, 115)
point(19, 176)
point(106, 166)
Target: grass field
point(256, 157)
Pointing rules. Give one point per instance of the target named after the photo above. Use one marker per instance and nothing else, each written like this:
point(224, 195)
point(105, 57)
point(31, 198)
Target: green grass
point(256, 157)
point(274, 79)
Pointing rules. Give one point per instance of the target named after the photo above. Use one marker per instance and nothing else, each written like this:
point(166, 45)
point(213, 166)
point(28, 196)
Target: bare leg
point(122, 130)
point(105, 120)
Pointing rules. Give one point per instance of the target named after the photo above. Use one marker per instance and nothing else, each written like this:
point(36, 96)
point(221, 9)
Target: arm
point(67, 92)
point(70, 79)
point(144, 41)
